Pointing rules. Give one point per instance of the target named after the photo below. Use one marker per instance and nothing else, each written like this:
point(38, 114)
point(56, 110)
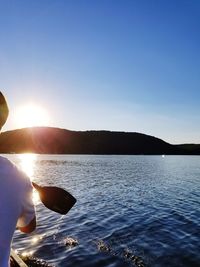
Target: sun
point(31, 115)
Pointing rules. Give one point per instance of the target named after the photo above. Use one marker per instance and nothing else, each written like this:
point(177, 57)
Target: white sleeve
point(28, 209)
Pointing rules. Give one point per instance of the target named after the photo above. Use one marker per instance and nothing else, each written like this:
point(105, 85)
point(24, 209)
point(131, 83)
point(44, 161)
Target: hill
point(48, 140)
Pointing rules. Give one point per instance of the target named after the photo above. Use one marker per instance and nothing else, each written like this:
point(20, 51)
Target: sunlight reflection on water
point(130, 209)
point(27, 164)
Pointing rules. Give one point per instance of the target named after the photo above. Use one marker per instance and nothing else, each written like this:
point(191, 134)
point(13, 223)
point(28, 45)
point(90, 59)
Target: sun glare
point(27, 163)
point(31, 115)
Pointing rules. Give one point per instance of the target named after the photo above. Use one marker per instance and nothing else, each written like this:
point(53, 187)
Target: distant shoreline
point(49, 140)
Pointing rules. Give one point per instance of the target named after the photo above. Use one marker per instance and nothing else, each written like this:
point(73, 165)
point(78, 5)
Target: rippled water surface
point(130, 211)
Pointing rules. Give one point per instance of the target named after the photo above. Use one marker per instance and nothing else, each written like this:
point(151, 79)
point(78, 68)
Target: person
point(16, 205)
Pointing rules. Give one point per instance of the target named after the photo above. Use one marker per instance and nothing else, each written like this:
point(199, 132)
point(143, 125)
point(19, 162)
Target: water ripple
point(131, 210)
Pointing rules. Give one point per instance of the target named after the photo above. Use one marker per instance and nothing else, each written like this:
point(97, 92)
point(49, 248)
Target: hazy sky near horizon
point(121, 65)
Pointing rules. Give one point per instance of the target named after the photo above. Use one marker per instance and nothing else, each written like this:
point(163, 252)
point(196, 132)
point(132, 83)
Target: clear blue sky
point(105, 64)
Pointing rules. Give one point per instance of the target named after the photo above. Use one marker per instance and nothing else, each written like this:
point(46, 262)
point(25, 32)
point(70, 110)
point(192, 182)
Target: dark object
point(48, 140)
point(55, 198)
point(35, 262)
point(26, 261)
point(3, 110)
point(15, 260)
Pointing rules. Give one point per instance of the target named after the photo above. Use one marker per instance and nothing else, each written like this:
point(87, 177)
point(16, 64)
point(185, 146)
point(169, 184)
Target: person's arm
point(27, 221)
point(29, 228)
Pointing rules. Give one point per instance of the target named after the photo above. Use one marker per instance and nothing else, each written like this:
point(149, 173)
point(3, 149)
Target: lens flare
point(27, 164)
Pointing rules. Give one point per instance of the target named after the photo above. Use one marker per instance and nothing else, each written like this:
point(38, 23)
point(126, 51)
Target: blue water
point(130, 211)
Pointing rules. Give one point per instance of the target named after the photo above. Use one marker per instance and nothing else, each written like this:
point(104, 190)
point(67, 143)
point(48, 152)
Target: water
point(130, 211)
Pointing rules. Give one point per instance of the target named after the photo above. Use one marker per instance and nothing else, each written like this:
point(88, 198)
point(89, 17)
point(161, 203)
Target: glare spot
point(24, 254)
point(27, 253)
point(27, 163)
point(36, 239)
point(31, 115)
point(36, 197)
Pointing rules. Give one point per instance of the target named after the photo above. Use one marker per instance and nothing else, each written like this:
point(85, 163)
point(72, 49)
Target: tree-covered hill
point(48, 140)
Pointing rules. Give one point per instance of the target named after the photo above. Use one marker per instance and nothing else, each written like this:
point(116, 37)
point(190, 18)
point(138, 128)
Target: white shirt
point(16, 206)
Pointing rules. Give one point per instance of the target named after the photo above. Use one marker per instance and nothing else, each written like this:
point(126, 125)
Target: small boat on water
point(16, 261)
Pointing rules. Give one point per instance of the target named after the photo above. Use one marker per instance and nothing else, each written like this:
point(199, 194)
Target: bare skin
point(29, 228)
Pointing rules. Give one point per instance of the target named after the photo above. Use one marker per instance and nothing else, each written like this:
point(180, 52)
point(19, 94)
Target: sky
point(119, 65)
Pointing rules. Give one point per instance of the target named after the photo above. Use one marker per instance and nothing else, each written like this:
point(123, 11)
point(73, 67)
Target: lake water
point(130, 211)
